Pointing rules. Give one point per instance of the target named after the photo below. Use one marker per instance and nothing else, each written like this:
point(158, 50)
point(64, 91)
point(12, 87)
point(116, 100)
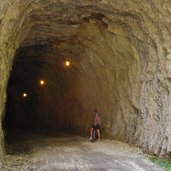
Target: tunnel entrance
point(113, 56)
point(93, 66)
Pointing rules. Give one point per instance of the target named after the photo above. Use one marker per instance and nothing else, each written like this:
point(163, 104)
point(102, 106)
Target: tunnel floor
point(52, 152)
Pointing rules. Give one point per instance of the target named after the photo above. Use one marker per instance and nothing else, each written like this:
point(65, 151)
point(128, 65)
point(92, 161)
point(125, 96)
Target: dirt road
point(72, 153)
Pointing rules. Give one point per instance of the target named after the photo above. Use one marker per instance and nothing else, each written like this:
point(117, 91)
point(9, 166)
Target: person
point(96, 125)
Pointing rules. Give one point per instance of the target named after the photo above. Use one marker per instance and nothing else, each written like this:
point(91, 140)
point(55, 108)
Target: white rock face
point(120, 51)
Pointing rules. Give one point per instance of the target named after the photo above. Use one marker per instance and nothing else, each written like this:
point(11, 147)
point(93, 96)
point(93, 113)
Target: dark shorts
point(96, 126)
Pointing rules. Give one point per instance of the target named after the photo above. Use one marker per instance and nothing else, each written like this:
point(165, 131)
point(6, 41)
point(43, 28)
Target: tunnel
point(101, 75)
point(61, 60)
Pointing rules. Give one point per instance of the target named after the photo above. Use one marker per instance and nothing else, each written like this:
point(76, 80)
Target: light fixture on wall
point(67, 63)
point(24, 95)
point(42, 82)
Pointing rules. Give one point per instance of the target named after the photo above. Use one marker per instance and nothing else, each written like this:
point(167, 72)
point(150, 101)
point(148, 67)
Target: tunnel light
point(42, 82)
point(24, 95)
point(67, 63)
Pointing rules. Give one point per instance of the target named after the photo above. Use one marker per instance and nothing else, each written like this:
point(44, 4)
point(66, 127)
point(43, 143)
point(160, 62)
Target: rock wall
point(104, 74)
point(121, 51)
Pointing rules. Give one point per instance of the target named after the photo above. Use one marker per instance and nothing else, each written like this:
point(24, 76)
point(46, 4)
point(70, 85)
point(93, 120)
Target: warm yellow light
point(24, 94)
point(67, 63)
point(42, 82)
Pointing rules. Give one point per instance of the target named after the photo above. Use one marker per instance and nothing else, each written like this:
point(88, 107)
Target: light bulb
point(24, 94)
point(67, 63)
point(42, 82)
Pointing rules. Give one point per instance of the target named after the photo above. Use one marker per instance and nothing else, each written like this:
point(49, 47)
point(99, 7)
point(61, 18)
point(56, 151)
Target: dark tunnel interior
point(61, 60)
point(99, 76)
point(83, 68)
point(37, 90)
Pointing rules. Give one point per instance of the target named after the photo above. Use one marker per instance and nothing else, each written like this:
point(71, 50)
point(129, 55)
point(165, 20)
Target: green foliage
point(163, 163)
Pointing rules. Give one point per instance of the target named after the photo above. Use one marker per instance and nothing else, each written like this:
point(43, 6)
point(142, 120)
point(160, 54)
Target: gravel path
point(60, 153)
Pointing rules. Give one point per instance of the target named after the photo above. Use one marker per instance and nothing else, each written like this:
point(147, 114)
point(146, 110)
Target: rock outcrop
point(120, 54)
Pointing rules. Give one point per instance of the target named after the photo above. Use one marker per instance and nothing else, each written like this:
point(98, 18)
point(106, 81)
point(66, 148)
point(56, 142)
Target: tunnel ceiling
point(120, 56)
point(49, 21)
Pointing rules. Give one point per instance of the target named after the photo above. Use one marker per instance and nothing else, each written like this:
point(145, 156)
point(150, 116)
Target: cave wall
point(141, 29)
point(101, 75)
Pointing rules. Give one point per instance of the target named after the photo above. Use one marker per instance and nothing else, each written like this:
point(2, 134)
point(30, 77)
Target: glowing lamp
point(42, 82)
point(67, 63)
point(24, 94)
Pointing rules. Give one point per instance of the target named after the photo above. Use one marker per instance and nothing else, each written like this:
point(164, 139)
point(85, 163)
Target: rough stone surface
point(120, 54)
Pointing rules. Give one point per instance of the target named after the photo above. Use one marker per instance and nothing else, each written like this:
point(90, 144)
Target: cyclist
point(96, 125)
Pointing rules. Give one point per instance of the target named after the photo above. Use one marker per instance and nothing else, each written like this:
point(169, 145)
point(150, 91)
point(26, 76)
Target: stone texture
point(120, 55)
